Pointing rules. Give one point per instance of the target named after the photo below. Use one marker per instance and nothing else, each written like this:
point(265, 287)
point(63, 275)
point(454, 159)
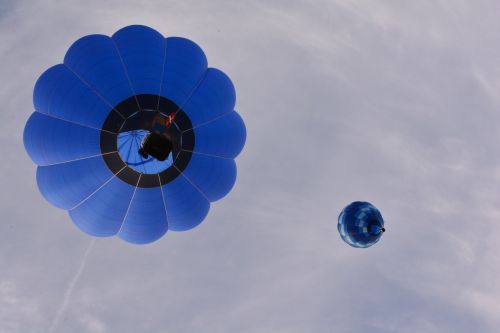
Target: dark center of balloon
point(139, 147)
point(374, 226)
point(146, 144)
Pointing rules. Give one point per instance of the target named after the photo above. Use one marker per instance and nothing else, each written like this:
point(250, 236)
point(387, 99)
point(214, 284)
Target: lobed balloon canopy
point(93, 111)
point(361, 224)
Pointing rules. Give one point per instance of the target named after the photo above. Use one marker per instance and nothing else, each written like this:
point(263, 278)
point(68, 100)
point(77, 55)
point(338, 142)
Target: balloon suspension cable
point(71, 286)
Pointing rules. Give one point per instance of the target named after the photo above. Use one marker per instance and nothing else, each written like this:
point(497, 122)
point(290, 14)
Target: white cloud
point(17, 309)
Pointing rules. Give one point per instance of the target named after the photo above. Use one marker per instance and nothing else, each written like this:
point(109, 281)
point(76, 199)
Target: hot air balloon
point(134, 135)
point(361, 224)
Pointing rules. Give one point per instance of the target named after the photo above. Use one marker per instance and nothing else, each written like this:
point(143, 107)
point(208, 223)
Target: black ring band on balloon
point(126, 116)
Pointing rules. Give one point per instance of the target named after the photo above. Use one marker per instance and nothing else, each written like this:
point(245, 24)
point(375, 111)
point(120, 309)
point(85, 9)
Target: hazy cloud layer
point(394, 102)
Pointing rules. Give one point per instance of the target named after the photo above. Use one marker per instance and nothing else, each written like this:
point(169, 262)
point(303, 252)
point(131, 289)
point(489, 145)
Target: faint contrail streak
point(71, 286)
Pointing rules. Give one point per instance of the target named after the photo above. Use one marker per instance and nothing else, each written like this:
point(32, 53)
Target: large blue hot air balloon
point(134, 135)
point(361, 224)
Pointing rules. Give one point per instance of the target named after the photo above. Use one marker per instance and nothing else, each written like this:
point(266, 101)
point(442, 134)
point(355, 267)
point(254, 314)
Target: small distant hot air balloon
point(361, 224)
point(134, 135)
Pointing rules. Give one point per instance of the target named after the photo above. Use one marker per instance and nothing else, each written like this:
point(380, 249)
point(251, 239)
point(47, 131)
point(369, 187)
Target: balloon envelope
point(93, 111)
point(360, 224)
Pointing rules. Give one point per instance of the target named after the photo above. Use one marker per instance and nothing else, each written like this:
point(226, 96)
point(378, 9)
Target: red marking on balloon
point(170, 119)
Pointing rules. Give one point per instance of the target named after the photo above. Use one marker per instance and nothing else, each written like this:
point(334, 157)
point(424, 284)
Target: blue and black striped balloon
point(361, 224)
point(93, 112)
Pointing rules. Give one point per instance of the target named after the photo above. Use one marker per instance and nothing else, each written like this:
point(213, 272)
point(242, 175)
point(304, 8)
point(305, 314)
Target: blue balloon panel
point(103, 213)
point(143, 52)
point(146, 219)
point(66, 185)
point(61, 94)
point(224, 137)
point(96, 61)
point(214, 97)
point(213, 176)
point(186, 205)
point(50, 140)
point(185, 68)
point(360, 224)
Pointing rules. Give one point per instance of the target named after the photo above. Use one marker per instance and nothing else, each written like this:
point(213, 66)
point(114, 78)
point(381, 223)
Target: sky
point(392, 102)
